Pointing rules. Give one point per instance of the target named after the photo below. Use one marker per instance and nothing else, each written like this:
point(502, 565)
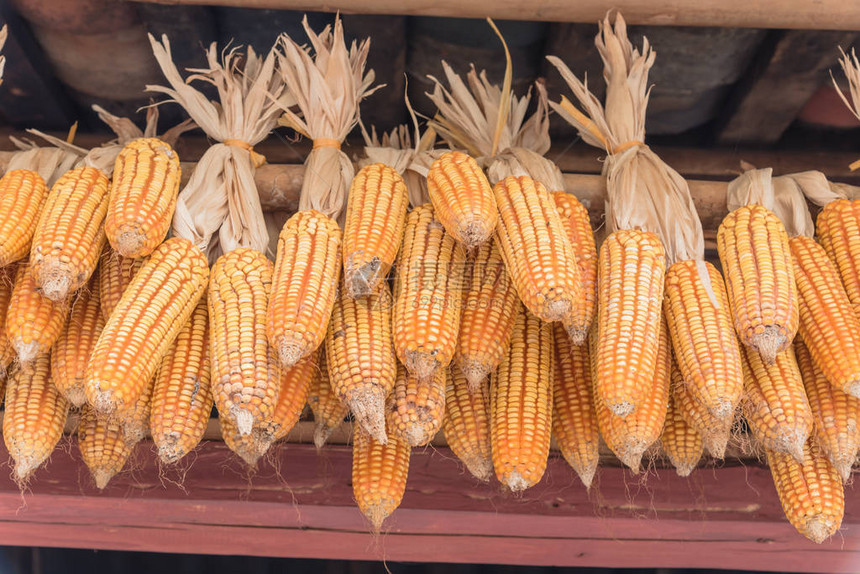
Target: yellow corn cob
point(417, 407)
point(249, 447)
point(70, 233)
point(715, 432)
point(775, 405)
point(521, 405)
point(487, 320)
point(142, 196)
point(102, 444)
point(574, 218)
point(756, 258)
point(115, 274)
point(135, 421)
point(836, 414)
point(703, 338)
point(304, 287)
point(33, 323)
point(574, 423)
point(828, 324)
point(72, 350)
point(467, 423)
point(810, 492)
point(7, 352)
point(428, 294)
point(681, 442)
point(462, 198)
point(147, 319)
point(182, 396)
point(838, 228)
point(378, 474)
point(292, 398)
point(631, 268)
point(328, 411)
point(536, 249)
point(246, 376)
point(629, 437)
point(375, 217)
point(22, 195)
point(360, 356)
point(34, 417)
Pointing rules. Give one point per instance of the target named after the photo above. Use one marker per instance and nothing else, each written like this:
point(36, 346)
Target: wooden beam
point(299, 504)
point(776, 88)
point(801, 14)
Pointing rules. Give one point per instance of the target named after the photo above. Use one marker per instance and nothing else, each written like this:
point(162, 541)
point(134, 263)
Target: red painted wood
point(720, 518)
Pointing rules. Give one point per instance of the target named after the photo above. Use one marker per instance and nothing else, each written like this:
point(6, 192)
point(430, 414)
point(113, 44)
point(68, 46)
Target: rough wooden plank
point(779, 84)
point(801, 14)
point(724, 518)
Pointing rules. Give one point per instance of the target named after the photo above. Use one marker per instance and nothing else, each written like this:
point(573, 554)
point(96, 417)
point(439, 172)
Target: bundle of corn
point(521, 404)
point(810, 492)
point(182, 395)
point(329, 412)
point(645, 198)
point(467, 423)
point(328, 87)
point(34, 417)
point(379, 473)
point(490, 122)
point(221, 195)
point(681, 442)
point(574, 422)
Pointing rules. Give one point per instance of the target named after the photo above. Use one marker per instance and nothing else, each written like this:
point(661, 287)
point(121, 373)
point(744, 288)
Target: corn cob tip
point(421, 364)
point(27, 352)
point(586, 473)
point(134, 431)
point(169, 450)
point(103, 403)
point(55, 281)
point(722, 408)
point(102, 477)
point(819, 528)
point(479, 467)
point(244, 420)
point(557, 310)
point(376, 514)
point(790, 443)
point(516, 482)
point(578, 335)
point(716, 443)
point(769, 343)
point(853, 389)
point(621, 409)
point(476, 374)
point(843, 467)
point(361, 281)
point(683, 468)
point(631, 454)
point(474, 233)
point(368, 408)
point(76, 396)
point(290, 354)
point(416, 434)
point(25, 466)
point(321, 433)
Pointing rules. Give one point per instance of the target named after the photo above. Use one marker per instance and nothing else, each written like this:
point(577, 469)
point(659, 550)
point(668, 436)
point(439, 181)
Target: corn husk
point(221, 196)
point(49, 162)
point(851, 68)
point(328, 86)
point(643, 192)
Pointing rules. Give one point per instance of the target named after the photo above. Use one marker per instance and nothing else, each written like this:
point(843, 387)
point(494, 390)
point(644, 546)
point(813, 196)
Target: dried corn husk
point(851, 67)
point(49, 162)
point(221, 196)
point(642, 191)
point(328, 87)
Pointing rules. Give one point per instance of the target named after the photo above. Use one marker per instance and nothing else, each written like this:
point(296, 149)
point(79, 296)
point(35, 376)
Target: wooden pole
point(799, 14)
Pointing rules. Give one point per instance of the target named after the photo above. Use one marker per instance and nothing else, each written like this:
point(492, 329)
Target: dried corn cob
point(22, 195)
point(292, 398)
point(775, 404)
point(378, 474)
point(375, 217)
point(135, 421)
point(462, 198)
point(33, 323)
point(304, 286)
point(521, 405)
point(838, 228)
point(115, 274)
point(70, 235)
point(467, 423)
point(7, 352)
point(487, 320)
point(574, 423)
point(715, 432)
point(103, 447)
point(753, 248)
point(142, 196)
point(536, 249)
point(574, 218)
point(360, 356)
point(159, 300)
point(182, 397)
point(249, 447)
point(629, 437)
point(72, 350)
point(810, 492)
point(328, 410)
point(828, 324)
point(34, 417)
point(631, 268)
point(417, 407)
point(428, 294)
point(681, 442)
point(246, 376)
point(704, 341)
point(836, 414)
